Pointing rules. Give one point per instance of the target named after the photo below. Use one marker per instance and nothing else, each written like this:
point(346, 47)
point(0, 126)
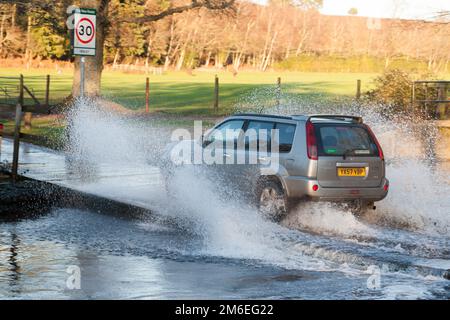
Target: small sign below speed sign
point(84, 32)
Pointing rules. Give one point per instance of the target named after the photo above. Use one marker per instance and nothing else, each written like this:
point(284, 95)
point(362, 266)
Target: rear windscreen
point(337, 140)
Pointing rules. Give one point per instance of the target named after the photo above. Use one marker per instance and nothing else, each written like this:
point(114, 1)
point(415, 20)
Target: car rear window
point(337, 140)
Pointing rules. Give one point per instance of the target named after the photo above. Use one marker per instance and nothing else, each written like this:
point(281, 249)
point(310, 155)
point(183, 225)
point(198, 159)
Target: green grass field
point(180, 96)
point(182, 93)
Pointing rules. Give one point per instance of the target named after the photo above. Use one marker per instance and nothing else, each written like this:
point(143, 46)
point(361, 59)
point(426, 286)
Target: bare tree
point(94, 65)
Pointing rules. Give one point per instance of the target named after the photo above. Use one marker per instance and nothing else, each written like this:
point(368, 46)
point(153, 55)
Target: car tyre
point(271, 200)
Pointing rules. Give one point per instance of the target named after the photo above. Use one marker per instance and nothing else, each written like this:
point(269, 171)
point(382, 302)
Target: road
point(196, 245)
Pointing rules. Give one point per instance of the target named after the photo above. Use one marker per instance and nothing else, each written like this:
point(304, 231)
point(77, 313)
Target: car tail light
point(311, 141)
point(386, 187)
point(380, 151)
point(315, 187)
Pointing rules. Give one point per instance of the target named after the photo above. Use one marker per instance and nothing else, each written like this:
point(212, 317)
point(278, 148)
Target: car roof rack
point(354, 119)
point(264, 115)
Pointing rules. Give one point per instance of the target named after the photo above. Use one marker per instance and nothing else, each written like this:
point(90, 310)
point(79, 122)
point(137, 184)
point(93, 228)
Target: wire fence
point(45, 89)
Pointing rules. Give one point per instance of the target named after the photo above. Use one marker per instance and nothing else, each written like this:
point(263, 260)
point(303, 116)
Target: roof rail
point(354, 119)
point(261, 115)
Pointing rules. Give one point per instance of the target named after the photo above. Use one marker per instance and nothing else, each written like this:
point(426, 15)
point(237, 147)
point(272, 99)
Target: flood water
point(138, 259)
point(195, 244)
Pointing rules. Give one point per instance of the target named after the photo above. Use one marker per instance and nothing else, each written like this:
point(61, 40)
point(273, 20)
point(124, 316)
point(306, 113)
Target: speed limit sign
point(84, 32)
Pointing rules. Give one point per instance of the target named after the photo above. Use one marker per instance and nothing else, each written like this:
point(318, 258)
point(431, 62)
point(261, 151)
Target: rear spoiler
point(354, 119)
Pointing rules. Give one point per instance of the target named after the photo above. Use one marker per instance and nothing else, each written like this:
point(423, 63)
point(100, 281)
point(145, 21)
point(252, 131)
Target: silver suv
point(332, 158)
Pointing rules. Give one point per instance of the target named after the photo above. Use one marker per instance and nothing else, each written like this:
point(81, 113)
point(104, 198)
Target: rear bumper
point(300, 187)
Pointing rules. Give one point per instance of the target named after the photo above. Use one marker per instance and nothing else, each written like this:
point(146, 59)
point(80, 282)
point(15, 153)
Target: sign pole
point(82, 61)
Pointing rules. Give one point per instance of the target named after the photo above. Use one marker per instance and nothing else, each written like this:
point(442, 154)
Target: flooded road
point(130, 259)
point(197, 245)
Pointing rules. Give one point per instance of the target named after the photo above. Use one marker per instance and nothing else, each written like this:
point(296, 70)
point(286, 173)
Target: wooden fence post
point(278, 91)
point(441, 109)
point(27, 115)
point(1, 138)
point(358, 89)
point(147, 94)
point(413, 97)
point(19, 105)
point(47, 90)
point(216, 94)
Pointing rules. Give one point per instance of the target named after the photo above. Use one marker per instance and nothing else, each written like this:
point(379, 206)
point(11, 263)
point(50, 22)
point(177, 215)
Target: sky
point(405, 9)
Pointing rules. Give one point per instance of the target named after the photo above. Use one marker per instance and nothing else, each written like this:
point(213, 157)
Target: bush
point(394, 88)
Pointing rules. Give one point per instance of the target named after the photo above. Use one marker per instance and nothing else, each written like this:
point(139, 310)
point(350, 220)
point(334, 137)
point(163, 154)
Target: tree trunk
point(269, 54)
point(28, 49)
point(2, 30)
point(288, 50)
point(181, 59)
point(13, 15)
point(93, 65)
point(208, 59)
point(167, 60)
point(116, 58)
point(147, 58)
point(28, 115)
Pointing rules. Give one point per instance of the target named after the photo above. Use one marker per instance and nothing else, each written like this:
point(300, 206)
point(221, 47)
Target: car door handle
point(226, 155)
point(262, 158)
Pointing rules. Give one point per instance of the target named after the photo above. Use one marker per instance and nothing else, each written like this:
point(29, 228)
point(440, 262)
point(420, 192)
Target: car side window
point(258, 135)
point(228, 131)
point(285, 136)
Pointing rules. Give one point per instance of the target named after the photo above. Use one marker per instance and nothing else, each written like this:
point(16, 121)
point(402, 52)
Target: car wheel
point(271, 201)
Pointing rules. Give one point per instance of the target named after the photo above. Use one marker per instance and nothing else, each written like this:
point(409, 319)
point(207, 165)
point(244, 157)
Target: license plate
point(351, 172)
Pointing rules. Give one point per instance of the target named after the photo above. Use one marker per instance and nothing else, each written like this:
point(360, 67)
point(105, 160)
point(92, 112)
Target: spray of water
point(417, 199)
point(98, 133)
point(231, 228)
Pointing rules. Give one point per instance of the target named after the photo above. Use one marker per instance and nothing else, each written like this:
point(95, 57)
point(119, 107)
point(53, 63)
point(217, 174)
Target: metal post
point(47, 90)
point(19, 105)
point(216, 94)
point(82, 61)
point(147, 94)
point(358, 89)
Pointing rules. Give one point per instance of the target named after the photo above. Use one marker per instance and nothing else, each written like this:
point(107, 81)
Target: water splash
point(418, 197)
point(98, 133)
point(231, 228)
point(326, 218)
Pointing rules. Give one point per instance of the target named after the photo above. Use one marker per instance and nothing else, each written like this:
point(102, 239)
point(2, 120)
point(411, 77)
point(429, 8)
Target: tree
point(251, 35)
point(94, 65)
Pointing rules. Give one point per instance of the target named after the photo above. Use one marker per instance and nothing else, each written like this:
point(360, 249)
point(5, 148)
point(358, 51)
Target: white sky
point(406, 9)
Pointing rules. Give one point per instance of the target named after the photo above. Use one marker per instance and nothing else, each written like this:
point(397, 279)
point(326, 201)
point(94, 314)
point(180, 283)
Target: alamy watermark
point(73, 281)
point(374, 280)
point(227, 147)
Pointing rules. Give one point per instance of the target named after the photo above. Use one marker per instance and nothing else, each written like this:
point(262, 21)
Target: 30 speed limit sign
point(84, 32)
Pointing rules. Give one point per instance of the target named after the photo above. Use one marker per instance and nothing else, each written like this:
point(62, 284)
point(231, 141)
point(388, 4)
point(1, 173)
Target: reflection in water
point(15, 268)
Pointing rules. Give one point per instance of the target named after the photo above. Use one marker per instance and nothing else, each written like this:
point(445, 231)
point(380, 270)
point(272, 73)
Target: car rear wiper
point(348, 152)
